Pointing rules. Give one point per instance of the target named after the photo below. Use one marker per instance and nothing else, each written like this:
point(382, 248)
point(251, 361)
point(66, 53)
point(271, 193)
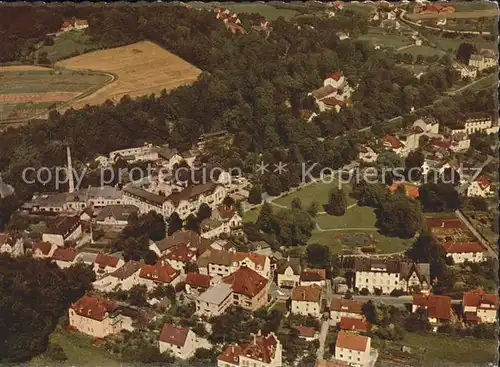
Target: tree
point(372, 195)
point(313, 208)
point(228, 201)
point(426, 250)
point(370, 311)
point(174, 223)
point(204, 212)
point(265, 220)
point(413, 165)
point(150, 257)
point(318, 256)
point(56, 352)
point(193, 223)
point(437, 197)
point(255, 195)
point(79, 279)
point(337, 202)
point(296, 204)
point(138, 295)
point(464, 52)
point(400, 216)
point(134, 248)
point(273, 185)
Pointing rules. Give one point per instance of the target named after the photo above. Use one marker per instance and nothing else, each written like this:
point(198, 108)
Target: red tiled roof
point(311, 293)
point(231, 354)
point(226, 212)
point(332, 101)
point(105, 260)
point(305, 331)
point(81, 22)
point(351, 323)
point(352, 341)
point(182, 253)
point(313, 275)
point(331, 363)
point(438, 307)
point(475, 297)
point(175, 335)
point(44, 247)
point(64, 254)
point(346, 305)
point(336, 76)
point(198, 280)
point(446, 144)
point(464, 247)
point(483, 182)
point(246, 281)
point(448, 223)
point(392, 141)
point(411, 190)
point(472, 317)
point(162, 272)
point(93, 307)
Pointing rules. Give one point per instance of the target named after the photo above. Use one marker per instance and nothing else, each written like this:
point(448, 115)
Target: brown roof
point(226, 212)
point(464, 247)
point(93, 307)
point(182, 253)
point(386, 266)
point(313, 275)
point(293, 262)
point(175, 335)
point(392, 140)
point(305, 331)
point(192, 192)
point(476, 297)
point(246, 281)
point(322, 92)
point(311, 293)
point(213, 256)
point(351, 323)
point(44, 247)
point(438, 307)
point(105, 260)
point(231, 354)
point(184, 237)
point(162, 272)
point(126, 270)
point(331, 363)
point(346, 305)
point(351, 341)
point(336, 76)
point(198, 280)
point(63, 224)
point(483, 182)
point(64, 254)
point(145, 195)
point(257, 259)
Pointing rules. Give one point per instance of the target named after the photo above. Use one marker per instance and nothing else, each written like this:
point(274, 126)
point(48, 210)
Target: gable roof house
point(64, 257)
point(313, 276)
point(11, 244)
point(261, 350)
point(355, 349)
point(250, 289)
point(63, 229)
point(161, 273)
point(288, 272)
point(181, 237)
point(334, 94)
point(354, 324)
point(115, 216)
point(105, 264)
point(180, 255)
point(306, 300)
point(197, 281)
point(223, 263)
point(438, 307)
point(307, 333)
point(124, 278)
point(480, 307)
point(481, 187)
point(43, 250)
point(341, 307)
point(100, 317)
point(464, 251)
point(180, 341)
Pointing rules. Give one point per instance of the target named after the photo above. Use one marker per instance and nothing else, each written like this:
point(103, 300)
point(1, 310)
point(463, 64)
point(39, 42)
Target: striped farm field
point(138, 69)
point(23, 68)
point(37, 97)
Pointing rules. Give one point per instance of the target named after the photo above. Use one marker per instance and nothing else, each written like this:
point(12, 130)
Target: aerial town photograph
point(249, 184)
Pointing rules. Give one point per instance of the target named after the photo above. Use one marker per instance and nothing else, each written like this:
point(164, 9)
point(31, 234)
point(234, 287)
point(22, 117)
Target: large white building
point(471, 126)
point(388, 275)
point(484, 59)
point(63, 229)
point(355, 349)
point(464, 251)
point(306, 300)
point(223, 263)
point(99, 317)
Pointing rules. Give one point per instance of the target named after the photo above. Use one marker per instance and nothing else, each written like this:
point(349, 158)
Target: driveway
point(322, 338)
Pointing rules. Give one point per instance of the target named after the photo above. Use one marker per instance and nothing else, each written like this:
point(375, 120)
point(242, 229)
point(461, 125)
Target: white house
point(306, 300)
point(334, 94)
point(105, 264)
point(484, 60)
point(480, 307)
point(288, 271)
point(123, 278)
point(215, 300)
point(11, 244)
point(161, 273)
point(43, 250)
point(64, 228)
point(180, 341)
point(355, 349)
point(64, 257)
point(466, 71)
point(98, 317)
point(313, 276)
point(465, 251)
point(438, 308)
point(261, 350)
point(115, 216)
point(480, 188)
point(223, 263)
point(341, 307)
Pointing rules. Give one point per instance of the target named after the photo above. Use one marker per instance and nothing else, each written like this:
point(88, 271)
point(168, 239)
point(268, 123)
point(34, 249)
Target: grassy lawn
point(334, 240)
point(415, 69)
point(355, 217)
point(471, 5)
point(422, 50)
point(318, 191)
point(280, 305)
point(67, 44)
point(439, 215)
point(79, 350)
point(453, 350)
point(487, 82)
point(454, 43)
point(377, 37)
point(251, 215)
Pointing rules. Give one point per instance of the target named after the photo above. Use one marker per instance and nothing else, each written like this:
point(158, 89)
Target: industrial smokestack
point(71, 179)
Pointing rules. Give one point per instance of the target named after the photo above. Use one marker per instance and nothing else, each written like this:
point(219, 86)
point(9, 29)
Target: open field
point(317, 191)
point(68, 44)
point(492, 12)
point(79, 350)
point(447, 350)
point(453, 43)
point(423, 50)
point(25, 94)
point(355, 217)
point(461, 6)
point(9, 68)
point(139, 69)
point(377, 37)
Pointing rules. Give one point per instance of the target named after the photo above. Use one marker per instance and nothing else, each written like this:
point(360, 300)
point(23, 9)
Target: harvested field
point(139, 69)
point(458, 14)
point(37, 97)
point(23, 68)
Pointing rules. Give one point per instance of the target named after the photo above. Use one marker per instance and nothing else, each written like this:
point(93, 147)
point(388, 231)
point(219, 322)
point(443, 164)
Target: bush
point(369, 249)
point(377, 291)
point(55, 352)
point(397, 293)
point(364, 292)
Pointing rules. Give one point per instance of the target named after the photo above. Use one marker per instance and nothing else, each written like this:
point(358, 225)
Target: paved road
point(322, 338)
point(388, 300)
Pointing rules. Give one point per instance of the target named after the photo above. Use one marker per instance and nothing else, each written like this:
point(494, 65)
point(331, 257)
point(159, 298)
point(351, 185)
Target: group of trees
point(291, 227)
point(34, 295)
